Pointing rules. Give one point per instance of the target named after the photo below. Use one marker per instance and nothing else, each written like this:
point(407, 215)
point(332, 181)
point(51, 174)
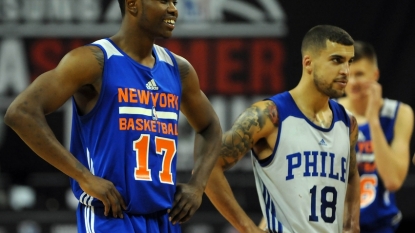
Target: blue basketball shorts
point(92, 220)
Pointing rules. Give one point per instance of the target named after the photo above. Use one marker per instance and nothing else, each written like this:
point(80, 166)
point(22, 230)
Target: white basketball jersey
point(302, 185)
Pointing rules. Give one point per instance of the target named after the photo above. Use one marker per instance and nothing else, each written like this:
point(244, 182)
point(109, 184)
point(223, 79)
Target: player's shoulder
point(181, 61)
point(84, 63)
point(187, 72)
point(264, 103)
point(405, 107)
point(405, 112)
point(266, 109)
point(84, 54)
point(392, 106)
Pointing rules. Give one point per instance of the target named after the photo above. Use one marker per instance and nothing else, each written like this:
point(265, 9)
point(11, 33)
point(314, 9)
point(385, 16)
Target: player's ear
point(307, 64)
point(131, 6)
point(376, 74)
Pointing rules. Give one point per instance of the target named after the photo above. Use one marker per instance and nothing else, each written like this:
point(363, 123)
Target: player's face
point(158, 17)
point(331, 69)
point(362, 72)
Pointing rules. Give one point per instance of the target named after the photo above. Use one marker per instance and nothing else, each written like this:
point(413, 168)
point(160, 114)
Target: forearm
point(352, 205)
point(33, 129)
point(206, 151)
point(392, 169)
point(220, 194)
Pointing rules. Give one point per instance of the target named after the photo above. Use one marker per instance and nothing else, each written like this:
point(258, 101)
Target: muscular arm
point(253, 124)
point(392, 161)
point(352, 202)
point(201, 116)
point(26, 116)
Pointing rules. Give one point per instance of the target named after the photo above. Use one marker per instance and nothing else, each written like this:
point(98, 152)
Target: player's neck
point(138, 45)
point(309, 100)
point(356, 106)
point(140, 52)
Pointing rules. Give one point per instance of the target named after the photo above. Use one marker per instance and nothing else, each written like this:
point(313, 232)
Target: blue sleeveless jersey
point(130, 136)
point(302, 184)
point(378, 205)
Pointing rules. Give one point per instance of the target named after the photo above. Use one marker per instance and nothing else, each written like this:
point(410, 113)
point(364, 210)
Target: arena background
point(243, 50)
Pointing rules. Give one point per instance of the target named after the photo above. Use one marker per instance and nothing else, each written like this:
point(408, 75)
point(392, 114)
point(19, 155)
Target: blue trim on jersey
point(140, 66)
point(272, 221)
point(287, 107)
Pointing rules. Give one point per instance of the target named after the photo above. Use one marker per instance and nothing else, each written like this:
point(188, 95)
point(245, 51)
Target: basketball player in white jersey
point(302, 145)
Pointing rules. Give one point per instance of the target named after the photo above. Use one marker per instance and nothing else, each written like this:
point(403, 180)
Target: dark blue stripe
point(83, 199)
point(268, 204)
point(273, 214)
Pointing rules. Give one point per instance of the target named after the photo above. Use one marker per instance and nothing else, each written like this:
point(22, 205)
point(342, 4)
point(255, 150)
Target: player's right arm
point(352, 201)
point(26, 116)
point(255, 123)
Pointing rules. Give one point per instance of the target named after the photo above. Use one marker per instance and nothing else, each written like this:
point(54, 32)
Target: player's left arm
point(352, 202)
point(392, 161)
point(202, 117)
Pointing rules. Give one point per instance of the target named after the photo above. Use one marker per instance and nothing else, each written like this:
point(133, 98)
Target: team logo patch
point(322, 143)
point(151, 85)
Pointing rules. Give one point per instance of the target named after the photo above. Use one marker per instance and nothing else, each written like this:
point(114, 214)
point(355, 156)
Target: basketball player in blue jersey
point(302, 146)
point(127, 93)
point(385, 129)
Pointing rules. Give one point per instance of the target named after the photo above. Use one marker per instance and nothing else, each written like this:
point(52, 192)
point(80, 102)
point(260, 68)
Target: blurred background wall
point(243, 51)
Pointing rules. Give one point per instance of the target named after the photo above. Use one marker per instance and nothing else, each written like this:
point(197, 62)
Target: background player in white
point(306, 121)
point(385, 129)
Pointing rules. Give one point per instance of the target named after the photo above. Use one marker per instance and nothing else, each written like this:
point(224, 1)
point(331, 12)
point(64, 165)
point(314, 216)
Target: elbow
point(217, 127)
point(213, 131)
point(215, 123)
point(11, 116)
point(15, 115)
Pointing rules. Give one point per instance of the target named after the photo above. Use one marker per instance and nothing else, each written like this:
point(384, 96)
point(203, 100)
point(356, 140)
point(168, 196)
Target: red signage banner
point(224, 66)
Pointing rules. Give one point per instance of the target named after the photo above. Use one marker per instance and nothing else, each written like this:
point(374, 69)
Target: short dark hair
point(122, 7)
point(364, 50)
point(315, 39)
